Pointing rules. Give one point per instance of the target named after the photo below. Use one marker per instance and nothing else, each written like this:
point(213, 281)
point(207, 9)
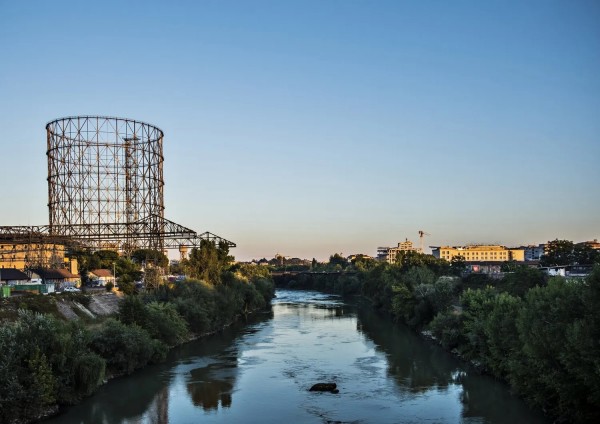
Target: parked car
point(71, 289)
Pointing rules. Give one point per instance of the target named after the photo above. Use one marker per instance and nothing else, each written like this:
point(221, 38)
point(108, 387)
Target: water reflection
point(261, 371)
point(212, 385)
point(421, 367)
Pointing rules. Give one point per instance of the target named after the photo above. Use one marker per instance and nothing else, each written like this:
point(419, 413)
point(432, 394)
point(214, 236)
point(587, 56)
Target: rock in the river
point(324, 387)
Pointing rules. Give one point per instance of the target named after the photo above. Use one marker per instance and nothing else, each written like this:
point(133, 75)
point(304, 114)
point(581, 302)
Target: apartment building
point(388, 254)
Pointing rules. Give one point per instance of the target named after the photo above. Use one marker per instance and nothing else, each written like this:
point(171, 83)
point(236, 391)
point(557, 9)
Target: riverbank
point(262, 370)
point(47, 361)
point(537, 335)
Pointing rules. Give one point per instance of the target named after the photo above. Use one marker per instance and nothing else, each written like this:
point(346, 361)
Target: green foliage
point(558, 252)
point(126, 347)
point(564, 252)
point(408, 259)
point(164, 323)
point(362, 263)
point(156, 257)
point(446, 327)
point(458, 265)
point(127, 271)
point(36, 303)
point(502, 335)
point(40, 364)
point(546, 343)
point(109, 286)
point(476, 305)
point(208, 261)
point(521, 280)
point(337, 261)
point(88, 372)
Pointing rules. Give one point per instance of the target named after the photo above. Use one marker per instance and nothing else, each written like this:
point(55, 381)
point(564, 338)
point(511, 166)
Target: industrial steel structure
point(105, 188)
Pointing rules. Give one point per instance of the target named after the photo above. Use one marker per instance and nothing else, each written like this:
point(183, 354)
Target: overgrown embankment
point(540, 336)
point(47, 360)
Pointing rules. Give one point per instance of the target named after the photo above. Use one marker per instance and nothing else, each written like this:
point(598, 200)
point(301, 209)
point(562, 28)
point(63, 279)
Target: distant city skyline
point(308, 128)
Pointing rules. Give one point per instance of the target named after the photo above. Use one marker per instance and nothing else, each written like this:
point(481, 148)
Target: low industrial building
point(12, 276)
point(101, 277)
point(59, 277)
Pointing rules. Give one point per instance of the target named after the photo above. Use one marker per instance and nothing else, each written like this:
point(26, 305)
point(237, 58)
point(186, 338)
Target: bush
point(126, 347)
point(164, 323)
point(446, 327)
point(89, 369)
point(41, 364)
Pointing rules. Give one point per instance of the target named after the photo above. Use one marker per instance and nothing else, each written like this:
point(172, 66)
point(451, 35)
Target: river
point(260, 372)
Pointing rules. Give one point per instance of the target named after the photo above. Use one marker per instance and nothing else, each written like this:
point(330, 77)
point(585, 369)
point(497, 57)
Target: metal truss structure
point(105, 189)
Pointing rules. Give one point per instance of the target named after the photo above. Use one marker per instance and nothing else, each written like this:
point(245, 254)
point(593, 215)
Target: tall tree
point(558, 252)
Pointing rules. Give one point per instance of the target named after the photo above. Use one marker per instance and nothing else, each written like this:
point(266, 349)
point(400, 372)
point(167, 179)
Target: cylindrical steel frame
point(104, 170)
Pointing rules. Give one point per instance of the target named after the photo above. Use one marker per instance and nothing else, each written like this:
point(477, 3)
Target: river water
point(260, 372)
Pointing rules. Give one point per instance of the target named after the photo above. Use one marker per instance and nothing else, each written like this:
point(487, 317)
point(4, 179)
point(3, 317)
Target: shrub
point(126, 347)
point(447, 329)
point(164, 323)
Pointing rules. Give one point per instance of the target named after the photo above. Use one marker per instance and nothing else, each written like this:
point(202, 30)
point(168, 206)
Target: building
point(59, 277)
point(101, 276)
point(388, 254)
point(12, 276)
point(532, 252)
point(482, 253)
point(593, 244)
point(358, 256)
point(35, 255)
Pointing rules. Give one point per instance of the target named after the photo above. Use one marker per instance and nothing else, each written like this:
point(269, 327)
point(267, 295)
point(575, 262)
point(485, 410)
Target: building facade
point(388, 254)
point(533, 253)
point(482, 253)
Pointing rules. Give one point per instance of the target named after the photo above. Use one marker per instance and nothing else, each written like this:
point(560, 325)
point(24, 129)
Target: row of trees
point(45, 361)
point(565, 252)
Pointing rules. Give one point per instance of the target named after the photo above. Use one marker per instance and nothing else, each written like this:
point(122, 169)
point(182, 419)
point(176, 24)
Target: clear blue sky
point(313, 127)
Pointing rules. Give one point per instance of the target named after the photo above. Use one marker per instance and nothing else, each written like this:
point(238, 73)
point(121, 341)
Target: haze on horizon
point(307, 128)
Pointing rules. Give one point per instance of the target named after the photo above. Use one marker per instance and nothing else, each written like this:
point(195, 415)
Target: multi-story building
point(593, 244)
point(388, 254)
point(482, 253)
point(40, 255)
point(532, 252)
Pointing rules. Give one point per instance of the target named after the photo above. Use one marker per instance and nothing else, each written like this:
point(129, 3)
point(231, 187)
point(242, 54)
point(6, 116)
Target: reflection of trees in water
point(212, 385)
point(158, 412)
point(143, 394)
point(483, 396)
point(416, 365)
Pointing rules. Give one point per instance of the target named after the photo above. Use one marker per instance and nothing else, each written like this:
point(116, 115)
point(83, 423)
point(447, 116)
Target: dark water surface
point(260, 372)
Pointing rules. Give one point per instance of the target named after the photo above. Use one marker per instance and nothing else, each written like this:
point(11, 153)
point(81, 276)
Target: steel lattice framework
point(102, 171)
point(105, 188)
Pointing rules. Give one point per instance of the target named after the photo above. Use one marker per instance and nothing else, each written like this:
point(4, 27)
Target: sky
point(308, 128)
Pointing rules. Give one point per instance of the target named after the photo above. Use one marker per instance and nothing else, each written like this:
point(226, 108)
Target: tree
point(208, 261)
point(558, 252)
point(583, 254)
point(458, 265)
point(521, 280)
point(150, 255)
point(337, 259)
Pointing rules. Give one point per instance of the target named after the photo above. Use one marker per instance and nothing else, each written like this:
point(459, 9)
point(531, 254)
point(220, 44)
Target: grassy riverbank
point(540, 335)
point(46, 361)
